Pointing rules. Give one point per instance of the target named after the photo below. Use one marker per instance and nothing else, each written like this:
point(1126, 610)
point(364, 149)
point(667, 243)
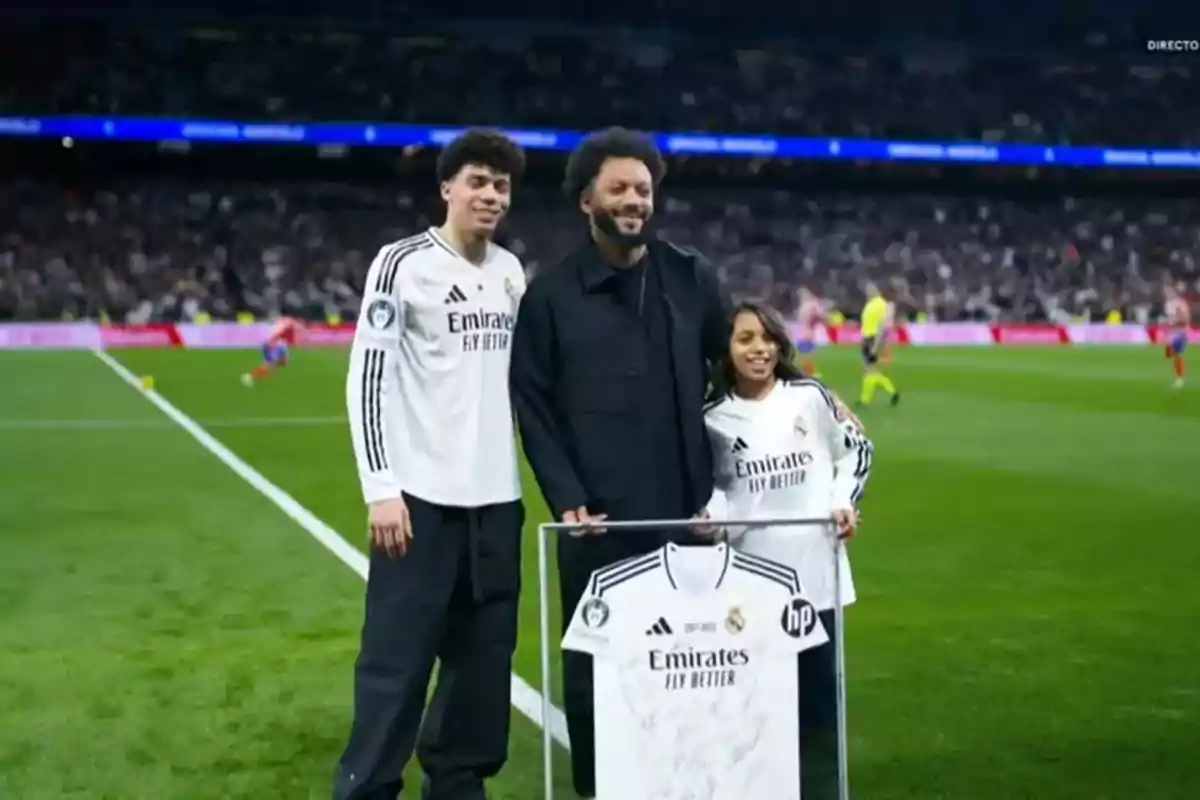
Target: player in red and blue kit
point(1178, 319)
point(809, 315)
point(275, 349)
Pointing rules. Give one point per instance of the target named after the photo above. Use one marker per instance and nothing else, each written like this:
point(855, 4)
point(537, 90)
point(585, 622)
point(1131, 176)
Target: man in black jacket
point(610, 362)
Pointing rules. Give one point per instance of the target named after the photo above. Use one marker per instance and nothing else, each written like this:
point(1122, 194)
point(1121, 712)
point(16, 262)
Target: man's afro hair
point(584, 163)
point(484, 147)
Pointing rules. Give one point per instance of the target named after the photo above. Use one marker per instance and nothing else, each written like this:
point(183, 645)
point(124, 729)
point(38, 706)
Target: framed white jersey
point(427, 389)
point(695, 674)
point(793, 453)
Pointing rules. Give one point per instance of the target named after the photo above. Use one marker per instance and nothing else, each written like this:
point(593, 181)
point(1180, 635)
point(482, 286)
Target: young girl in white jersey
point(784, 446)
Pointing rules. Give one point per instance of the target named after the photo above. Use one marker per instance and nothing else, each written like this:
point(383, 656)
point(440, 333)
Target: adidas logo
point(739, 444)
point(456, 295)
point(660, 628)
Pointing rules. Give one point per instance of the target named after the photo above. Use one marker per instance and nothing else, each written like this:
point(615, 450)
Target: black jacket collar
point(593, 269)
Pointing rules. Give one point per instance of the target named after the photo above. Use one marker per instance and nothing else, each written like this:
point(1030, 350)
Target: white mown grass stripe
point(525, 698)
point(154, 424)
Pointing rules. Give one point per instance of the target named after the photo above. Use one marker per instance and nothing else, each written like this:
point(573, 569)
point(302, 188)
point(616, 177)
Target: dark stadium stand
point(168, 246)
point(575, 78)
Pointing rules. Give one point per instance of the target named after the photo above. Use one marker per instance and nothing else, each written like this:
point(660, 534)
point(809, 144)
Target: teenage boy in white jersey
point(785, 446)
point(432, 429)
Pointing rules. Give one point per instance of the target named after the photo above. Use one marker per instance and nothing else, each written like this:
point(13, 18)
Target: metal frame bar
point(626, 525)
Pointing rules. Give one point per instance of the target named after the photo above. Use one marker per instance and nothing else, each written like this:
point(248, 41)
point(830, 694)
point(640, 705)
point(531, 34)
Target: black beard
point(606, 223)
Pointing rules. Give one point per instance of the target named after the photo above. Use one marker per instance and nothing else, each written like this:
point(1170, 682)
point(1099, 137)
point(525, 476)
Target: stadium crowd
point(171, 251)
point(566, 77)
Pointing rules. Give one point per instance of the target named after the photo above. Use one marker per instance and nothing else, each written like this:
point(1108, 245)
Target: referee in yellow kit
point(874, 329)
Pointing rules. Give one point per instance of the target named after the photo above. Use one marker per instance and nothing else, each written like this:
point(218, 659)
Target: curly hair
point(483, 147)
point(585, 161)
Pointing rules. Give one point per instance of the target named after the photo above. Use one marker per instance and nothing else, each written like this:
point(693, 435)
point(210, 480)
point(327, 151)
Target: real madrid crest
point(801, 425)
point(510, 289)
point(734, 621)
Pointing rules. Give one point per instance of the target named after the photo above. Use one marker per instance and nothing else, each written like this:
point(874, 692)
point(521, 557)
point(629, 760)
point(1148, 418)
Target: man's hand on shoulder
point(390, 526)
point(844, 414)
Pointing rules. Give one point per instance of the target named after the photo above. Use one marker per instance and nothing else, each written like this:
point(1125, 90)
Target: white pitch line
point(525, 698)
point(153, 424)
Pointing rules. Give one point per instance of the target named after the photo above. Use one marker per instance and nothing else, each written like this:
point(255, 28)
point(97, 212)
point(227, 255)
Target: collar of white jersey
point(436, 237)
point(752, 402)
point(713, 558)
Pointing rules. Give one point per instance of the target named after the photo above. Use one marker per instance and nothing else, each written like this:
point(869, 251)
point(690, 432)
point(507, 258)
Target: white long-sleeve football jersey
point(789, 454)
point(695, 674)
point(427, 389)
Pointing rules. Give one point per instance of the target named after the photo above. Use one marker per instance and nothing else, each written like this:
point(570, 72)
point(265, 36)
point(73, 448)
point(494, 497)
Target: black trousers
point(818, 717)
point(452, 599)
point(578, 558)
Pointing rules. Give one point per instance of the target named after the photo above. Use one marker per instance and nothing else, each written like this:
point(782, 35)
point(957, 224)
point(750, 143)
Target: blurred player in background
point(885, 335)
point(1178, 318)
point(874, 329)
point(275, 349)
point(809, 314)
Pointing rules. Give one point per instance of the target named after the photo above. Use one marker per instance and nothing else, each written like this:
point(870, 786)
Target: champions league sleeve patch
point(595, 613)
point(381, 314)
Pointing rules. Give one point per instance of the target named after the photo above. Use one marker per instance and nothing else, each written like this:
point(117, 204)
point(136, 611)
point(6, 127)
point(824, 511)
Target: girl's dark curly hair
point(724, 377)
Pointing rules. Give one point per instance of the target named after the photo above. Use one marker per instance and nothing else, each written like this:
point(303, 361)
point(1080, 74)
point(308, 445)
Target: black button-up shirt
point(608, 380)
point(656, 416)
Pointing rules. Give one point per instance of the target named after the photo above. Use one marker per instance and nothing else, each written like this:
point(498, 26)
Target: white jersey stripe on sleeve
point(400, 256)
point(364, 400)
point(372, 409)
point(779, 573)
point(605, 583)
point(784, 571)
point(389, 265)
point(862, 467)
point(625, 564)
point(386, 281)
point(381, 359)
point(793, 587)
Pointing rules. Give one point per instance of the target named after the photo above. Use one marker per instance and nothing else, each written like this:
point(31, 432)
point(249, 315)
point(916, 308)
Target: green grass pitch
point(1027, 572)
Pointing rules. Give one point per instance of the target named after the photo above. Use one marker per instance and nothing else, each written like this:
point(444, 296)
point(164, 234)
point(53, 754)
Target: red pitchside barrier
point(92, 336)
